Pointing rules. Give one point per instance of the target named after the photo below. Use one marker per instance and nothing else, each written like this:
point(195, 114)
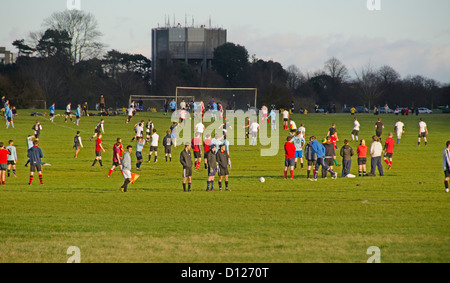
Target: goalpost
point(233, 97)
point(164, 99)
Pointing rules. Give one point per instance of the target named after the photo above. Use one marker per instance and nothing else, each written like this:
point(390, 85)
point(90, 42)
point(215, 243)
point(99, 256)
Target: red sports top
point(362, 151)
point(4, 155)
point(289, 150)
point(98, 142)
point(196, 142)
point(206, 145)
point(389, 145)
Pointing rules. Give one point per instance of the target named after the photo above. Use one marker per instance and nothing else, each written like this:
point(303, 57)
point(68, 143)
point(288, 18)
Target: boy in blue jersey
point(299, 143)
point(78, 114)
point(273, 118)
point(139, 147)
point(52, 112)
point(319, 149)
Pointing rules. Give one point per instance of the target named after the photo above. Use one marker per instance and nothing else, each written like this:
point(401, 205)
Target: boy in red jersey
point(389, 150)
point(362, 158)
point(98, 151)
point(117, 156)
point(196, 144)
point(3, 162)
point(206, 145)
point(289, 152)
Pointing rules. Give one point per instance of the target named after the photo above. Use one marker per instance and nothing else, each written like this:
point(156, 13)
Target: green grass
point(404, 213)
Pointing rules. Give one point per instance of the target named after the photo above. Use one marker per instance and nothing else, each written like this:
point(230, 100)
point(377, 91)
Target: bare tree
point(369, 83)
point(82, 28)
point(336, 70)
point(294, 77)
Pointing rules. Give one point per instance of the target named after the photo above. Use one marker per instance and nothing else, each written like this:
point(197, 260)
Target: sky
point(411, 36)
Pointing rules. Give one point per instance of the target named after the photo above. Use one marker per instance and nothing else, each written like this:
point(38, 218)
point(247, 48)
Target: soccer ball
point(262, 180)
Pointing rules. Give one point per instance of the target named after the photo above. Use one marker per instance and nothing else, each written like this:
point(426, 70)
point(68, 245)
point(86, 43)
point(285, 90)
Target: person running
point(446, 165)
point(77, 144)
point(423, 131)
point(379, 128)
point(99, 129)
point(154, 147)
point(9, 116)
point(254, 128)
point(389, 150)
point(138, 130)
point(222, 160)
point(355, 131)
point(330, 155)
point(35, 154)
point(225, 126)
point(98, 151)
point(332, 131)
point(130, 113)
point(12, 158)
point(68, 112)
point(285, 119)
point(346, 153)
point(206, 145)
point(399, 129)
point(78, 114)
point(265, 113)
point(299, 143)
point(117, 162)
point(167, 143)
point(149, 129)
point(126, 169)
point(52, 112)
point(375, 152)
point(212, 167)
point(311, 157)
point(319, 149)
point(3, 162)
point(139, 148)
point(196, 147)
point(186, 162)
point(37, 128)
point(173, 107)
point(362, 158)
point(273, 119)
point(289, 160)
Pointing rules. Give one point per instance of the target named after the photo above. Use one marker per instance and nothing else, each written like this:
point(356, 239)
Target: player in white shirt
point(183, 104)
point(286, 119)
point(199, 129)
point(423, 131)
point(355, 131)
point(154, 146)
point(254, 127)
point(139, 130)
point(293, 127)
point(130, 114)
point(399, 129)
point(265, 113)
point(302, 130)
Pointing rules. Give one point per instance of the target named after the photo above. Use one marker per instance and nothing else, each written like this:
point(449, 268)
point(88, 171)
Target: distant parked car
point(446, 110)
point(383, 111)
point(361, 109)
point(423, 110)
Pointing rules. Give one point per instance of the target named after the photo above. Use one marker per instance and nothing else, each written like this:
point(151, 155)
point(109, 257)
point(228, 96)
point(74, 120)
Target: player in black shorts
point(222, 160)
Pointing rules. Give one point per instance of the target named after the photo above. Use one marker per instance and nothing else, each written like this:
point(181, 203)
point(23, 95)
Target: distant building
point(194, 46)
point(6, 57)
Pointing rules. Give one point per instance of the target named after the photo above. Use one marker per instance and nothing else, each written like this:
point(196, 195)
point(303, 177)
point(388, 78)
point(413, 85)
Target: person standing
point(311, 158)
point(167, 143)
point(139, 148)
point(330, 155)
point(362, 158)
point(29, 145)
point(292, 127)
point(302, 130)
point(212, 167)
point(285, 119)
point(12, 158)
point(9, 116)
point(399, 129)
point(35, 154)
point(3, 162)
point(273, 119)
point(222, 160)
point(254, 128)
point(98, 151)
point(375, 152)
point(389, 150)
point(126, 169)
point(196, 144)
point(154, 146)
point(379, 128)
point(77, 143)
point(355, 131)
point(85, 109)
point(149, 129)
point(346, 153)
point(423, 131)
point(173, 133)
point(299, 143)
point(289, 160)
point(102, 104)
point(446, 165)
point(186, 162)
point(199, 129)
point(78, 114)
point(319, 149)
point(206, 145)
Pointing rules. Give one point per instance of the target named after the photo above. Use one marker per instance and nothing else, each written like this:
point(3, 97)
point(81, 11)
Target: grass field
point(405, 213)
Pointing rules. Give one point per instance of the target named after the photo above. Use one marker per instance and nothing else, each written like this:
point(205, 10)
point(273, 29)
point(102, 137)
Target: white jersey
point(422, 127)
point(302, 130)
point(254, 127)
point(265, 110)
point(183, 114)
point(183, 105)
point(130, 111)
point(399, 127)
point(200, 128)
point(356, 126)
point(293, 125)
point(155, 140)
point(139, 130)
point(285, 114)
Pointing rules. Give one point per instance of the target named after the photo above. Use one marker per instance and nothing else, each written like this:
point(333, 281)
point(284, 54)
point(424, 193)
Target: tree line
point(67, 63)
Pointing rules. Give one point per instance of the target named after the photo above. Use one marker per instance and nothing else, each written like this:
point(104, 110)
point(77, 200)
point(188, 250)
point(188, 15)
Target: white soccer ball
point(262, 180)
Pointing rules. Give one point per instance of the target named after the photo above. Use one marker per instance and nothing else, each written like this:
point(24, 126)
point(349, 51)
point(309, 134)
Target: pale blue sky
point(412, 36)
